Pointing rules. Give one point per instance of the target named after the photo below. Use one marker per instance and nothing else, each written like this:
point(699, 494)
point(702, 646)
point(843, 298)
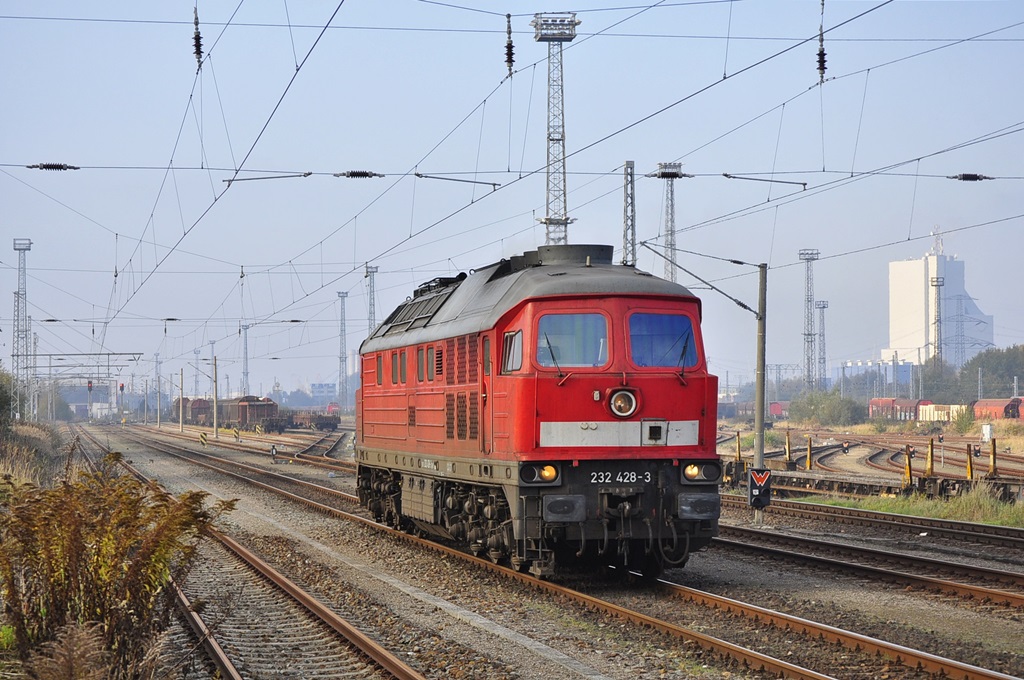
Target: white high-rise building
point(963, 330)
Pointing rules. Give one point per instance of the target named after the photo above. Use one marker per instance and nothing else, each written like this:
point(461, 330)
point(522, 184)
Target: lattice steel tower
point(670, 172)
point(937, 283)
point(555, 29)
point(959, 341)
point(342, 355)
point(809, 256)
point(20, 364)
point(821, 306)
point(628, 216)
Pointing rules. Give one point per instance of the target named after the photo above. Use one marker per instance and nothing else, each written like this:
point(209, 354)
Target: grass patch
point(979, 505)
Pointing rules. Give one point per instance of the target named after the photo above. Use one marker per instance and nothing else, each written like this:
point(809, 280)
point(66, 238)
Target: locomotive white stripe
point(631, 433)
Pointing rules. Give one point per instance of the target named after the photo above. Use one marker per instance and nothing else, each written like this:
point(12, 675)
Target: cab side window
point(512, 352)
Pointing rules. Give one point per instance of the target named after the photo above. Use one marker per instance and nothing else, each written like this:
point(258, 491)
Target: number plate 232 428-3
point(623, 477)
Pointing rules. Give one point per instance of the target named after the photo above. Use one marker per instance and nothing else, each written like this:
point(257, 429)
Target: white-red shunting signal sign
point(760, 477)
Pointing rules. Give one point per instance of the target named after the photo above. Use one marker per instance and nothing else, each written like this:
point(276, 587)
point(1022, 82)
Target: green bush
point(963, 421)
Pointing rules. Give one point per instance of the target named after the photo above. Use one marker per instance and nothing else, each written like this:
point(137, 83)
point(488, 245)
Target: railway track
point(966, 532)
point(905, 656)
point(253, 621)
point(883, 565)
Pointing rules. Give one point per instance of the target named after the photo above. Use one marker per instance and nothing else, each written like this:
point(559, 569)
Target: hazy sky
point(149, 229)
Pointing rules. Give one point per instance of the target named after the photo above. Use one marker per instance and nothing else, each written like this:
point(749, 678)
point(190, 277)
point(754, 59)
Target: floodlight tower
point(628, 216)
point(670, 172)
point(555, 29)
point(371, 312)
point(342, 355)
point(821, 306)
point(19, 354)
point(937, 283)
point(809, 256)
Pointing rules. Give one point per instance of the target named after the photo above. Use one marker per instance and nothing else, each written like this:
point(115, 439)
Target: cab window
point(512, 352)
point(565, 340)
point(664, 340)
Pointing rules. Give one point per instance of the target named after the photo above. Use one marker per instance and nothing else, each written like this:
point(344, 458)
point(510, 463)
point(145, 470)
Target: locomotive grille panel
point(449, 415)
point(472, 359)
point(461, 362)
point(460, 412)
point(474, 418)
point(449, 355)
point(412, 416)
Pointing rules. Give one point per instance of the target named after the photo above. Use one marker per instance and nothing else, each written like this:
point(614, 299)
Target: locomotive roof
point(465, 304)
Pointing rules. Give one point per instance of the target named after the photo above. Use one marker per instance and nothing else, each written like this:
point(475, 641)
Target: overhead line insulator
point(197, 40)
point(969, 177)
point(509, 50)
point(358, 174)
point(53, 166)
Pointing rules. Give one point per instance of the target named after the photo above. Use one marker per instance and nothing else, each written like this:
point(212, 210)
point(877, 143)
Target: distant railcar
point(315, 420)
point(997, 409)
point(245, 413)
point(940, 413)
point(895, 409)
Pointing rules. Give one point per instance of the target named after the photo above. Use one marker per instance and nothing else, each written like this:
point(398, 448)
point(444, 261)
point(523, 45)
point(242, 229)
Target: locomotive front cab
point(618, 465)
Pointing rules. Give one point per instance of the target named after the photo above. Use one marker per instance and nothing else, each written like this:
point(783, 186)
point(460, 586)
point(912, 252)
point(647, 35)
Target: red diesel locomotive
point(552, 409)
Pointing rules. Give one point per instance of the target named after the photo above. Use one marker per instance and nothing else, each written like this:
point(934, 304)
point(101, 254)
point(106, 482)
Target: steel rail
point(381, 656)
point(942, 667)
point(943, 585)
point(1012, 537)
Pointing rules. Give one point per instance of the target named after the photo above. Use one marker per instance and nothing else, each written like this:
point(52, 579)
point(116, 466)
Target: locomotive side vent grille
point(449, 355)
point(460, 410)
point(412, 416)
point(472, 359)
point(449, 415)
point(474, 417)
point(461, 361)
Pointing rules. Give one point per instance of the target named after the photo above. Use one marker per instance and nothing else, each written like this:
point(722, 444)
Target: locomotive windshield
point(572, 340)
point(662, 340)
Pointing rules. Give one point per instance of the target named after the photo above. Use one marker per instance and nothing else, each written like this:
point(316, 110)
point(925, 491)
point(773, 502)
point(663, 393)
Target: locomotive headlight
point(538, 474)
point(623, 403)
point(702, 472)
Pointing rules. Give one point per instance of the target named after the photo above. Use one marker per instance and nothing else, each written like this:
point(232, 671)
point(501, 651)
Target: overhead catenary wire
point(321, 243)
